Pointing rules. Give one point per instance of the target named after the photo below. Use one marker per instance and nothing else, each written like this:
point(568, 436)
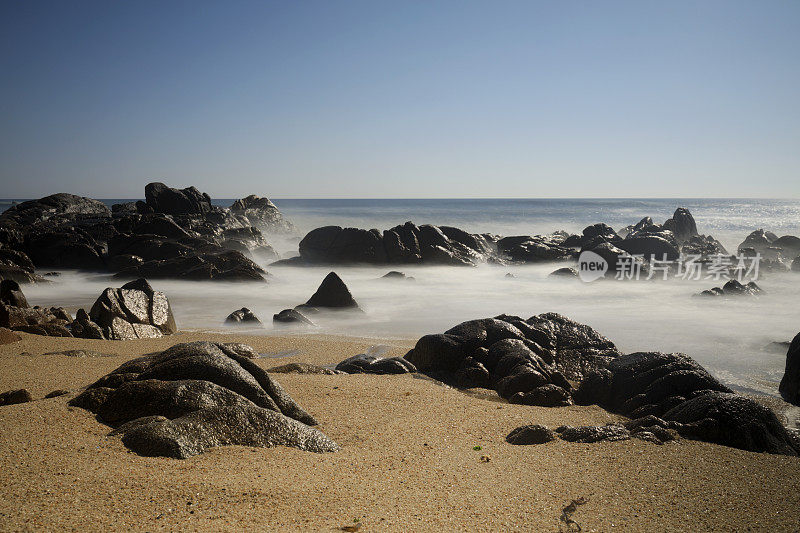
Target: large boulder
point(673, 391)
point(37, 320)
point(56, 206)
point(193, 396)
point(171, 201)
point(262, 213)
point(525, 361)
point(134, 311)
point(331, 294)
point(790, 383)
point(535, 249)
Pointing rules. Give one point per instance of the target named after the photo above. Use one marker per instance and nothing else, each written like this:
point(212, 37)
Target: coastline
point(407, 460)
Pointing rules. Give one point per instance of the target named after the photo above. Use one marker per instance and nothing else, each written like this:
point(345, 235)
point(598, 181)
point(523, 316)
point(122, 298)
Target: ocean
point(734, 338)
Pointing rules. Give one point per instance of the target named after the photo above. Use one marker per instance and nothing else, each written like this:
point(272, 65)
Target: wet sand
point(407, 461)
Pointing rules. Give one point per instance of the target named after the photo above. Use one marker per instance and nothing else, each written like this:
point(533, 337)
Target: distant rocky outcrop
point(262, 214)
point(790, 383)
point(770, 246)
point(194, 396)
point(175, 233)
point(733, 288)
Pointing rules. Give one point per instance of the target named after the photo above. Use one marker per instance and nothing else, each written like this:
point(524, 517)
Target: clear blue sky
point(401, 99)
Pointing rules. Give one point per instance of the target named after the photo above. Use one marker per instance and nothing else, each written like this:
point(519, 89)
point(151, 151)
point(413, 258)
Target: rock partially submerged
point(770, 246)
point(193, 396)
point(262, 214)
point(291, 316)
point(243, 316)
point(733, 288)
point(331, 294)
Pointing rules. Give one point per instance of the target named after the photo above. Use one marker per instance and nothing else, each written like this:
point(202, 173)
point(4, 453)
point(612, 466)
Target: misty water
point(731, 337)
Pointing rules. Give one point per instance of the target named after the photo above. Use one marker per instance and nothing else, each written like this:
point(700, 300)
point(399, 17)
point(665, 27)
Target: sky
point(411, 99)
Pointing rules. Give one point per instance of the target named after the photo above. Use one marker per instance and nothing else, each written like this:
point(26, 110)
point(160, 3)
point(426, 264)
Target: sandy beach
point(407, 460)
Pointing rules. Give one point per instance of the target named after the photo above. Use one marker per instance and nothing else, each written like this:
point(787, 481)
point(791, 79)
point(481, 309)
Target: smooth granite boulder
point(193, 396)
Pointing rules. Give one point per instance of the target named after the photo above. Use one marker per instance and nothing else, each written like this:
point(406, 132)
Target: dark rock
point(83, 327)
point(534, 249)
point(11, 294)
point(611, 433)
point(733, 288)
point(371, 364)
point(291, 316)
point(705, 246)
point(303, 368)
point(394, 274)
point(732, 420)
point(55, 206)
point(242, 316)
point(682, 225)
point(564, 272)
point(790, 383)
point(15, 396)
point(545, 396)
point(796, 264)
point(193, 396)
point(650, 246)
point(332, 293)
point(134, 311)
point(224, 266)
point(35, 320)
point(163, 199)
point(56, 393)
point(530, 434)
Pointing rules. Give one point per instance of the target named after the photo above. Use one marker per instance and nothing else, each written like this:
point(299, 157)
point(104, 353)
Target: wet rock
point(15, 396)
point(11, 294)
point(230, 265)
point(332, 294)
point(194, 396)
point(54, 207)
point(242, 316)
point(790, 383)
point(303, 368)
point(371, 364)
point(796, 264)
point(134, 311)
point(530, 434)
point(291, 316)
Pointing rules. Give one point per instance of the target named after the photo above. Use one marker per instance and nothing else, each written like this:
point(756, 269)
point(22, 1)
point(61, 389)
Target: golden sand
point(407, 461)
